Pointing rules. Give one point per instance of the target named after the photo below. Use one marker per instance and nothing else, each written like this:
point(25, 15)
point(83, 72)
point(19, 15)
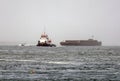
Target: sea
point(70, 63)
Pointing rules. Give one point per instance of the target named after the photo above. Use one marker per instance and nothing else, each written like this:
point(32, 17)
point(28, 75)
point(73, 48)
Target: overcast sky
point(24, 20)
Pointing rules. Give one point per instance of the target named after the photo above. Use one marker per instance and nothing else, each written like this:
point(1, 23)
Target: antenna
point(44, 29)
point(92, 36)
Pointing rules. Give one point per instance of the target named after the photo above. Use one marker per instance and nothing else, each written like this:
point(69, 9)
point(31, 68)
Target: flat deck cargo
point(89, 42)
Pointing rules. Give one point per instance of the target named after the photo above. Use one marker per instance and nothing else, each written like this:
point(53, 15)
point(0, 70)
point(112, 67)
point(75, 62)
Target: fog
point(25, 20)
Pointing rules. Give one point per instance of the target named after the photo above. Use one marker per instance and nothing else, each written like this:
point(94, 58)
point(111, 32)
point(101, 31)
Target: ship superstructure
point(45, 41)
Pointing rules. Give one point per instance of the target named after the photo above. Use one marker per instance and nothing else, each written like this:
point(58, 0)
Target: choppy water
point(59, 63)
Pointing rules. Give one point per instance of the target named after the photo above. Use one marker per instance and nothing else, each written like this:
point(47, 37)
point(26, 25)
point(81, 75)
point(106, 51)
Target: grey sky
point(24, 20)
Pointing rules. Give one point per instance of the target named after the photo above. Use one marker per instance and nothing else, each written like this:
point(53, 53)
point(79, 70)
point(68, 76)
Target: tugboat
point(45, 41)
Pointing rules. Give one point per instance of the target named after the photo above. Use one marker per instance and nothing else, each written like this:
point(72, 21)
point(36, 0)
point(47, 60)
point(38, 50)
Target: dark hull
point(76, 44)
point(81, 43)
point(46, 45)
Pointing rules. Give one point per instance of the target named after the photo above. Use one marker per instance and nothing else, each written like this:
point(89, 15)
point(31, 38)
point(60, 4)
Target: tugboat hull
point(46, 45)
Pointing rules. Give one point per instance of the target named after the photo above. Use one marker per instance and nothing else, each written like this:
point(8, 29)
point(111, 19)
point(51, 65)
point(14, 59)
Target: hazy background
point(24, 20)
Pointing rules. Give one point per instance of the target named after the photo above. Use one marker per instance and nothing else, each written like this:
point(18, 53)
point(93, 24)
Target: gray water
point(59, 63)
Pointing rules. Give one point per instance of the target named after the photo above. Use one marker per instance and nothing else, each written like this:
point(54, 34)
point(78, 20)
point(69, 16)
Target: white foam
point(18, 60)
point(64, 62)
